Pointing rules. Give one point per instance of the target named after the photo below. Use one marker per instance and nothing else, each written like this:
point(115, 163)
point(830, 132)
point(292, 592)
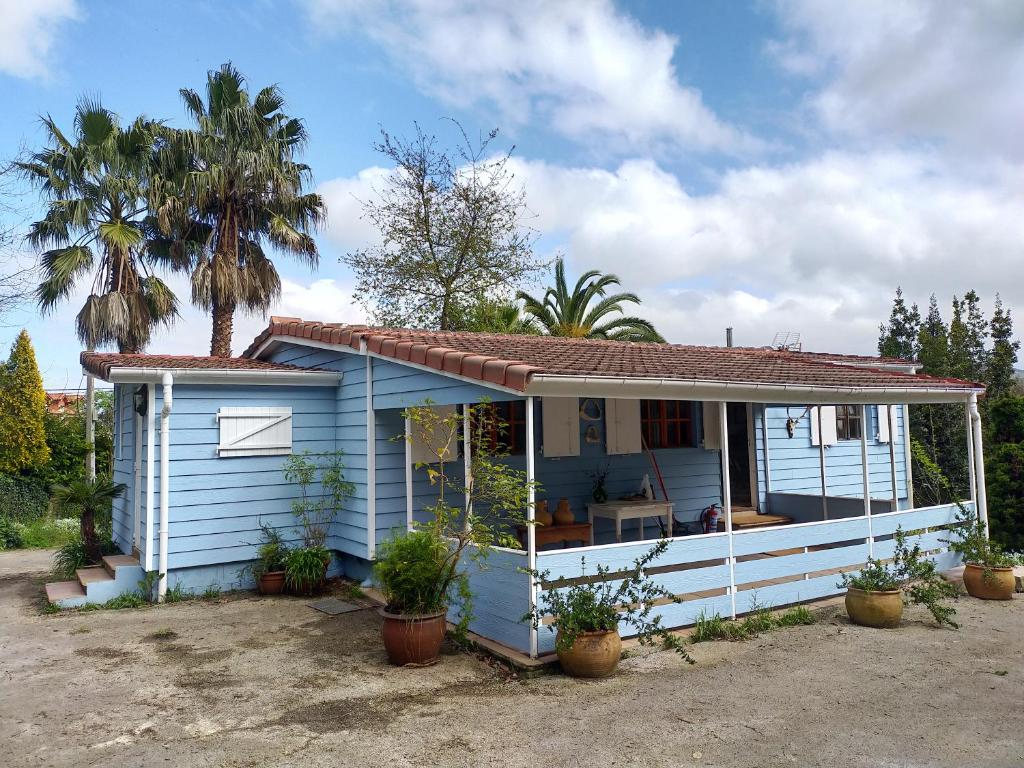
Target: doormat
point(333, 606)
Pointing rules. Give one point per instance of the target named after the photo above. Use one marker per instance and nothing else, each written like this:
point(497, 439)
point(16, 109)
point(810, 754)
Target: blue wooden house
point(803, 455)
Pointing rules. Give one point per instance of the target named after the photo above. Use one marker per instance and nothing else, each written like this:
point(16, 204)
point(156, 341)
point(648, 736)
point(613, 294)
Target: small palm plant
point(583, 313)
point(87, 498)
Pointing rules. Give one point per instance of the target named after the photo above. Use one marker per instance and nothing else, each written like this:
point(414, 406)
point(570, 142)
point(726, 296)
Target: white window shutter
point(828, 425)
point(883, 423)
point(255, 431)
point(561, 426)
point(622, 426)
point(712, 426)
point(425, 447)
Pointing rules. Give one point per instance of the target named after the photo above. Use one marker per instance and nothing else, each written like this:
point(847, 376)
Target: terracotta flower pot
point(594, 654)
point(882, 610)
point(413, 640)
point(541, 513)
point(563, 513)
point(271, 583)
point(999, 585)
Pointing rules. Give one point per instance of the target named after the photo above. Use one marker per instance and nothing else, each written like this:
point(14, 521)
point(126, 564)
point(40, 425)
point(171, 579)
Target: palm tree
point(96, 226)
point(88, 497)
point(240, 188)
point(565, 313)
point(488, 315)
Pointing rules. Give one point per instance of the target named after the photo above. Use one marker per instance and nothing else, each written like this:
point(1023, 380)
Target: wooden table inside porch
point(558, 534)
point(630, 509)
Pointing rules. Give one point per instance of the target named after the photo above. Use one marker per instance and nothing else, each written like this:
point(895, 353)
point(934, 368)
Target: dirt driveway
point(270, 682)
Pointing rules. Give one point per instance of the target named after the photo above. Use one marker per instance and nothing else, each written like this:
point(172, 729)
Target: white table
point(629, 509)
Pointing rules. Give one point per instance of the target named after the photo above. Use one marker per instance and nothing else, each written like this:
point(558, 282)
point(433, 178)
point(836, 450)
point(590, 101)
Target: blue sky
point(770, 166)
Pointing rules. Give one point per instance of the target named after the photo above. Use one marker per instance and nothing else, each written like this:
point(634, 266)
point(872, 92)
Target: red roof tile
point(100, 363)
point(511, 361)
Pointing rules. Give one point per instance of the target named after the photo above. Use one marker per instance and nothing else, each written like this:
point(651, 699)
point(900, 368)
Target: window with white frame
point(255, 431)
point(849, 425)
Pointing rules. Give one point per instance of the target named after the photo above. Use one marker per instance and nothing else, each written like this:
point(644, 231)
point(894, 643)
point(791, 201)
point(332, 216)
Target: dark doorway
point(739, 455)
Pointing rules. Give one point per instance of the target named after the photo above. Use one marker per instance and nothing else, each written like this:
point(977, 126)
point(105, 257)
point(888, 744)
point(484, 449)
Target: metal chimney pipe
point(728, 336)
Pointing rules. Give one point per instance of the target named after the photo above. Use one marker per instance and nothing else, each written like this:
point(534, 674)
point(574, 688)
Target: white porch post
point(727, 499)
point(408, 474)
point(970, 454)
point(467, 458)
point(908, 456)
point(867, 476)
point(979, 462)
point(531, 531)
point(137, 483)
point(893, 430)
point(821, 461)
point(767, 459)
point(150, 470)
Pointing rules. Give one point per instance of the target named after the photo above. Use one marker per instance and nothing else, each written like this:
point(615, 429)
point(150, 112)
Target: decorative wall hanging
point(592, 435)
point(591, 410)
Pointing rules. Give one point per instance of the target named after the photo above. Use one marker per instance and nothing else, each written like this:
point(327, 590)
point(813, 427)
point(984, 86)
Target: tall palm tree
point(240, 188)
point(487, 315)
point(95, 184)
point(576, 314)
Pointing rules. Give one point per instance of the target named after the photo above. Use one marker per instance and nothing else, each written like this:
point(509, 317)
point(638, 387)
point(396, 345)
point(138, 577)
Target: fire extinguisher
point(710, 516)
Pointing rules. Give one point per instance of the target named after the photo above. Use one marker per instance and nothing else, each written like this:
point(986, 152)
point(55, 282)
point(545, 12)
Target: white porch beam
point(408, 474)
point(723, 427)
point(973, 481)
point(531, 531)
point(893, 432)
point(979, 464)
point(821, 461)
point(908, 456)
point(467, 457)
point(866, 476)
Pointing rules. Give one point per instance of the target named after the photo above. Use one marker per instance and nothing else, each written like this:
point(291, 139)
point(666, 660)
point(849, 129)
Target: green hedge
point(23, 498)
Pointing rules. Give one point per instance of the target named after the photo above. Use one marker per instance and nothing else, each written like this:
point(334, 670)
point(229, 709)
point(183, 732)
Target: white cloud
point(593, 72)
point(928, 69)
point(344, 198)
point(28, 33)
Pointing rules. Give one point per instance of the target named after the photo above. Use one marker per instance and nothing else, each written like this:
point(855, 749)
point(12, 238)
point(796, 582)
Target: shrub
point(304, 569)
point(10, 535)
point(48, 532)
point(416, 572)
point(23, 499)
point(73, 555)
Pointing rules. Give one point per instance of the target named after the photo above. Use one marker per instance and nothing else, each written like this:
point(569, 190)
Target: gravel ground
point(270, 682)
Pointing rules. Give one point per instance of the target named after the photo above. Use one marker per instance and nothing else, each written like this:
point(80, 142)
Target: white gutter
point(165, 455)
point(748, 392)
point(127, 375)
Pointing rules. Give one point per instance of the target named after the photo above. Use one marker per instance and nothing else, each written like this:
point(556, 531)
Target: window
point(506, 431)
point(666, 423)
point(848, 422)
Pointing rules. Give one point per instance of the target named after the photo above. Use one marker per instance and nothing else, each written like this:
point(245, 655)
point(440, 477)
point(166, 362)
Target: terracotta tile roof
point(511, 361)
point(100, 363)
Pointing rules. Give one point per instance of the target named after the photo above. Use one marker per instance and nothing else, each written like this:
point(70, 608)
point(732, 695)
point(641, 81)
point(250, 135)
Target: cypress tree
point(899, 337)
point(1000, 376)
point(22, 411)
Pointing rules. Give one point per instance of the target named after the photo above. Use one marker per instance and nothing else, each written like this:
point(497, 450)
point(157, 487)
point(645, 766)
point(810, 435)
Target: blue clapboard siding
point(122, 525)
point(501, 597)
point(796, 467)
point(692, 476)
point(400, 386)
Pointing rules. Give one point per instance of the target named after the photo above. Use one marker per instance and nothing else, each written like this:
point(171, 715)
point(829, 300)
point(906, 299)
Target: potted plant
point(269, 568)
point(421, 571)
point(588, 613)
point(876, 594)
point(306, 566)
point(988, 570)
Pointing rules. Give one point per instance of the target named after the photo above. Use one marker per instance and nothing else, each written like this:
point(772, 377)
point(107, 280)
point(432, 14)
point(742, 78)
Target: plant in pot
point(988, 570)
point(422, 572)
point(323, 491)
point(876, 594)
point(589, 611)
point(269, 568)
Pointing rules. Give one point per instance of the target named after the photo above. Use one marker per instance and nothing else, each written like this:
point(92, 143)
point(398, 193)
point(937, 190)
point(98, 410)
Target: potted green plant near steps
point(272, 557)
point(988, 570)
point(422, 572)
point(588, 612)
point(87, 499)
point(323, 491)
point(876, 594)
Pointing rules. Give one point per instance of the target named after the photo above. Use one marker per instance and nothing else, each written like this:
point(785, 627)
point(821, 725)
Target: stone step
point(58, 591)
point(1018, 577)
point(94, 574)
point(113, 562)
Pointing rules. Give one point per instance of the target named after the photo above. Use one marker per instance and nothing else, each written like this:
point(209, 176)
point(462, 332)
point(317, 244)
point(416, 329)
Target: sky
point(770, 166)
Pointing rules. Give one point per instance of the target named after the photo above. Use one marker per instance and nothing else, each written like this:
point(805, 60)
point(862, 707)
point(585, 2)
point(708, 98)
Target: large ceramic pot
point(563, 513)
point(413, 640)
point(883, 610)
point(594, 654)
point(998, 585)
point(541, 514)
point(271, 583)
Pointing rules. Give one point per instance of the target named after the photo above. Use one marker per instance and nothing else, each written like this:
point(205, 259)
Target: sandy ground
point(270, 682)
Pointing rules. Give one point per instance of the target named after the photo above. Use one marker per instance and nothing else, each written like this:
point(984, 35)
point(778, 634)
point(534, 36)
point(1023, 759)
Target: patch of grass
point(212, 592)
point(354, 591)
point(762, 620)
point(49, 607)
point(48, 532)
point(177, 594)
point(162, 634)
point(127, 600)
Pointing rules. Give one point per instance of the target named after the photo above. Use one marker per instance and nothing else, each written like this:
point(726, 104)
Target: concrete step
point(113, 562)
point(1018, 577)
point(66, 594)
point(94, 574)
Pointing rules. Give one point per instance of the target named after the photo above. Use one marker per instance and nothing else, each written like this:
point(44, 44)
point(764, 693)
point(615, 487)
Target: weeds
point(176, 594)
point(127, 600)
point(212, 592)
point(762, 620)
